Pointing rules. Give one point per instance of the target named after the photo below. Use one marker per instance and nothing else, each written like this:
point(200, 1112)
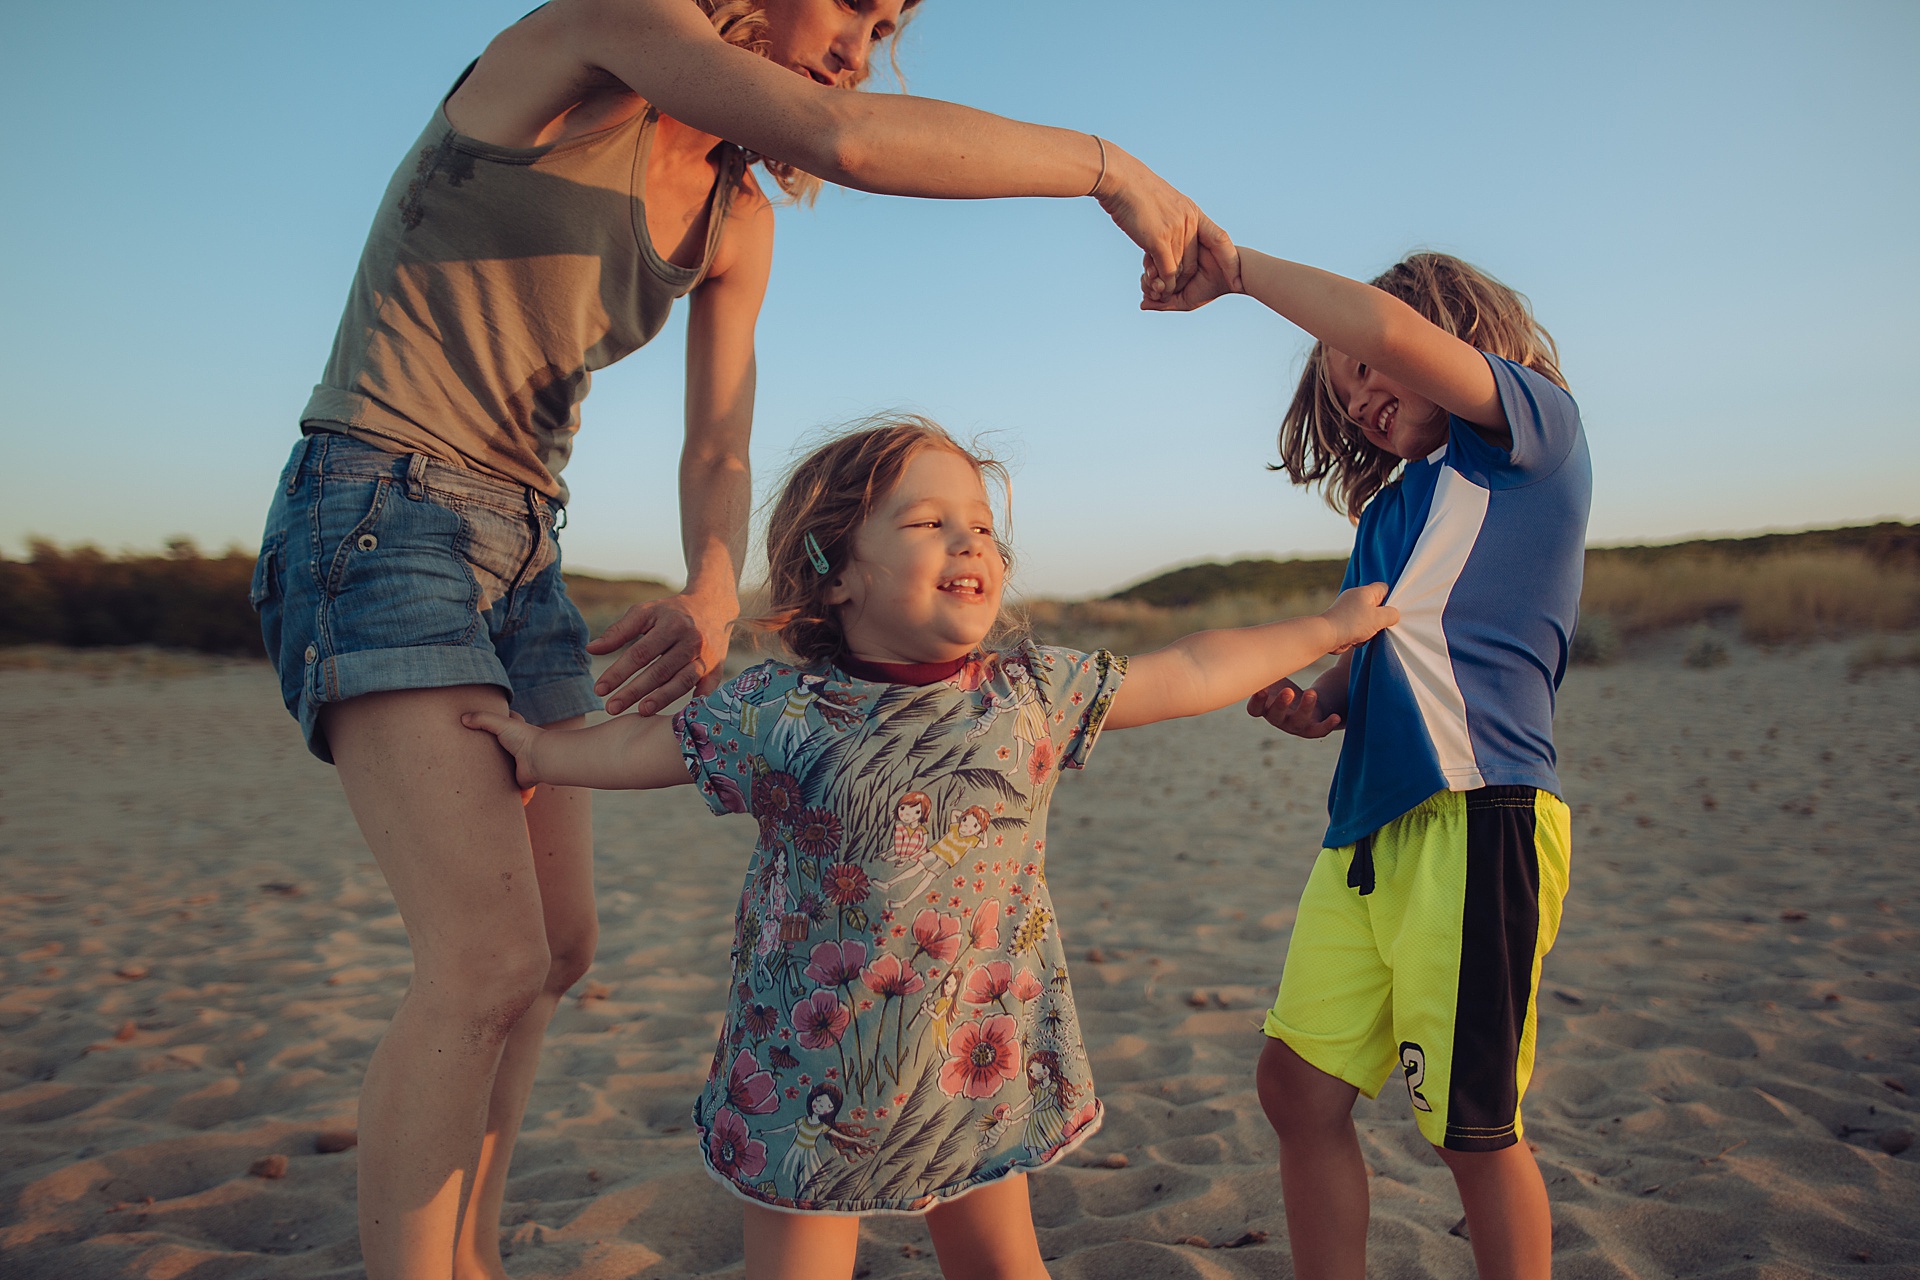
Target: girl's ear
point(837, 593)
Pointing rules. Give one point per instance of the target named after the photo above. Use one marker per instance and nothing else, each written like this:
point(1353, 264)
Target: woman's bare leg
point(799, 1246)
point(988, 1233)
point(1323, 1178)
point(560, 824)
point(438, 807)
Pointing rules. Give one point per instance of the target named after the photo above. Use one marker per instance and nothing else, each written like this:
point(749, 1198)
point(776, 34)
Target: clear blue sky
point(1712, 206)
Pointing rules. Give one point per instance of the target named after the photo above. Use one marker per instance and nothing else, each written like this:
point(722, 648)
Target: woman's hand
point(1170, 229)
point(678, 646)
point(1216, 272)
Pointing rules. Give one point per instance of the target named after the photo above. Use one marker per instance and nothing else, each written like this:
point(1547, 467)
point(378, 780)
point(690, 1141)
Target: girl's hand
point(1217, 272)
point(1171, 230)
point(1359, 614)
point(516, 737)
point(1291, 709)
point(679, 646)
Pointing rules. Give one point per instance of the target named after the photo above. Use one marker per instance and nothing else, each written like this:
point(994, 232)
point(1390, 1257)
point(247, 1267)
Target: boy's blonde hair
point(743, 24)
point(828, 494)
point(1319, 442)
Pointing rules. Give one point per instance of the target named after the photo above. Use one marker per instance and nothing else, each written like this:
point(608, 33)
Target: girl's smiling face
point(829, 41)
point(924, 579)
point(1386, 414)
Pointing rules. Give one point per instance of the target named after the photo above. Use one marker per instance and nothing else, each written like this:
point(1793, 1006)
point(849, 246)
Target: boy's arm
point(1212, 669)
point(625, 753)
point(1308, 713)
point(1359, 321)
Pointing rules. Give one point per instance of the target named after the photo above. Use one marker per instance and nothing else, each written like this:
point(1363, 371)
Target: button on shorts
point(381, 571)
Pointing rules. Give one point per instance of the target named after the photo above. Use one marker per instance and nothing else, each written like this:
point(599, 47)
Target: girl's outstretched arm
point(1212, 669)
point(1359, 321)
point(622, 754)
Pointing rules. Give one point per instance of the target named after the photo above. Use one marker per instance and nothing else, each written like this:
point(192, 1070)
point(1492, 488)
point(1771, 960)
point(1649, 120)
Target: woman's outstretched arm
point(667, 52)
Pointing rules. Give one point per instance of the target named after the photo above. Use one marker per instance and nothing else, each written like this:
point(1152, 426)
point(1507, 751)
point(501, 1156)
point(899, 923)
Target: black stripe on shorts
point(1500, 929)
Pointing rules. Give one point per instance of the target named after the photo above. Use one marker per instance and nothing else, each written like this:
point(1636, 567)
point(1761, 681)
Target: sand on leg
point(560, 826)
point(438, 807)
point(1509, 1222)
point(988, 1233)
point(1323, 1178)
point(799, 1246)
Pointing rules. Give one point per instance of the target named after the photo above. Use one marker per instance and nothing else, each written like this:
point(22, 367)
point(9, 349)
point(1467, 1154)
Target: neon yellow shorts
point(1420, 947)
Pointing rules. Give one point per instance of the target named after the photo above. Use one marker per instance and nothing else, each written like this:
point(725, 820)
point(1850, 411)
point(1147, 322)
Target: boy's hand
point(1359, 614)
point(1291, 709)
point(1216, 272)
point(516, 736)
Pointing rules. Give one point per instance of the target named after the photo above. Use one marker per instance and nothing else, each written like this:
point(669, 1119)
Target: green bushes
point(84, 598)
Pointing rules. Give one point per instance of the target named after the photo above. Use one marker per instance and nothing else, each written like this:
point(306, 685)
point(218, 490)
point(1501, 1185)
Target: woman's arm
point(667, 52)
point(1212, 669)
point(680, 643)
point(1355, 319)
point(622, 754)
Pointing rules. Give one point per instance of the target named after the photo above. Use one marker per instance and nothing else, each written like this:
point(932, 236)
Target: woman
point(588, 169)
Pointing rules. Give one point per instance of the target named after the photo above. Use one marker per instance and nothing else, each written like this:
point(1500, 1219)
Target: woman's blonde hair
point(1320, 443)
point(743, 24)
point(827, 495)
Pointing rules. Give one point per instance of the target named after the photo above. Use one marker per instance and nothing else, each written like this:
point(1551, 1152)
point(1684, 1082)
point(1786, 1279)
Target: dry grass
point(1131, 626)
point(1802, 595)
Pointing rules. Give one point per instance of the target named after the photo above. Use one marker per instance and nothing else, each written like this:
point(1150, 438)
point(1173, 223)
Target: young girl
point(1433, 410)
point(886, 578)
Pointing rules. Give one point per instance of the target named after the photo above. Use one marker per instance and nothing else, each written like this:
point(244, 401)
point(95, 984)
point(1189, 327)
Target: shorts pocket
point(395, 572)
point(266, 571)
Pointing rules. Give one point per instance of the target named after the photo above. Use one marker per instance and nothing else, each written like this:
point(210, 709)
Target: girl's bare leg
point(560, 824)
point(438, 807)
point(1508, 1220)
point(799, 1246)
point(988, 1233)
point(1323, 1179)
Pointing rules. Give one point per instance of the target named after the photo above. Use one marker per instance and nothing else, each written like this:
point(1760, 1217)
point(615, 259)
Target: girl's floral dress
point(900, 1027)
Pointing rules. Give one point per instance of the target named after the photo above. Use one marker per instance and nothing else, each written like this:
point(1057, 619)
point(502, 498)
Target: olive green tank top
point(494, 282)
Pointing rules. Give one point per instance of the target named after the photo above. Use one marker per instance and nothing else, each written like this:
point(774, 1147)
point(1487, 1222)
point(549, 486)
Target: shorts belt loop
point(417, 476)
point(1360, 870)
point(300, 452)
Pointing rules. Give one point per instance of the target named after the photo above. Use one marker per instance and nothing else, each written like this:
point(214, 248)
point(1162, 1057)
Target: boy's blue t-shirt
point(1482, 549)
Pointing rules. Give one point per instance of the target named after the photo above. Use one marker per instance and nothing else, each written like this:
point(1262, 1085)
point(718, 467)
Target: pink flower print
point(1004, 753)
point(982, 1057)
point(1077, 697)
point(891, 976)
point(750, 1088)
point(782, 1057)
point(984, 932)
point(1039, 762)
point(1026, 986)
point(989, 982)
point(835, 964)
point(820, 1020)
point(732, 1153)
point(936, 935)
point(727, 791)
point(760, 1020)
point(845, 883)
point(1080, 1120)
point(776, 795)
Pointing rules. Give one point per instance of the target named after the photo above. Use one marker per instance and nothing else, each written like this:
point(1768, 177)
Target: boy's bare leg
point(560, 825)
point(1323, 1179)
point(988, 1233)
point(439, 809)
point(799, 1246)
point(1508, 1219)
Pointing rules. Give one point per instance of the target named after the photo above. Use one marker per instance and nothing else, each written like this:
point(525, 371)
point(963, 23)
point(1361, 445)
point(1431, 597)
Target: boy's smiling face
point(1387, 415)
point(925, 577)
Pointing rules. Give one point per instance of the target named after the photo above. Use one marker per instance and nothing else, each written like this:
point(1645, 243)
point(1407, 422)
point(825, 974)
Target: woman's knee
point(570, 954)
point(489, 989)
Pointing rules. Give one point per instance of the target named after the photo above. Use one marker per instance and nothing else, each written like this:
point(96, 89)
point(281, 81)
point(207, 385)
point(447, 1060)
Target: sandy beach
point(199, 956)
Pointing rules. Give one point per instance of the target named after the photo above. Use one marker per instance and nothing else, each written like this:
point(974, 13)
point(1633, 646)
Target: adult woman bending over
point(592, 166)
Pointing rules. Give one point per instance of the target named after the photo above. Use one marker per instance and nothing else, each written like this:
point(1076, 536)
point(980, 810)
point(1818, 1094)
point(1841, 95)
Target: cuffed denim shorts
point(383, 571)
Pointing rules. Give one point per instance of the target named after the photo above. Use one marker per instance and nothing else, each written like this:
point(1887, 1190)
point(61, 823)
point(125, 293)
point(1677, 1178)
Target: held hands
point(1216, 272)
point(678, 646)
point(1171, 230)
point(517, 738)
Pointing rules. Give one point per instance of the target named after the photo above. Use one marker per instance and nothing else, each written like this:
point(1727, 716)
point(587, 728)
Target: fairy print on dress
point(899, 995)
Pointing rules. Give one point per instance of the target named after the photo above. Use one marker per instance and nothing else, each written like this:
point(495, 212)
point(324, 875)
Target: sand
point(199, 955)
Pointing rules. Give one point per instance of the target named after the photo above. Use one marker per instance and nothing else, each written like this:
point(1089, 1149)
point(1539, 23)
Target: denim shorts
point(383, 571)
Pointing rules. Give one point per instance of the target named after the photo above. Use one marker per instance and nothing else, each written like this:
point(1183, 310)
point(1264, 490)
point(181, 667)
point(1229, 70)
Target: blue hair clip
point(815, 554)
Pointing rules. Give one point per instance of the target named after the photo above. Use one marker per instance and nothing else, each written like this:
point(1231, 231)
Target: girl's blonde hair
point(743, 24)
point(1320, 443)
point(828, 494)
